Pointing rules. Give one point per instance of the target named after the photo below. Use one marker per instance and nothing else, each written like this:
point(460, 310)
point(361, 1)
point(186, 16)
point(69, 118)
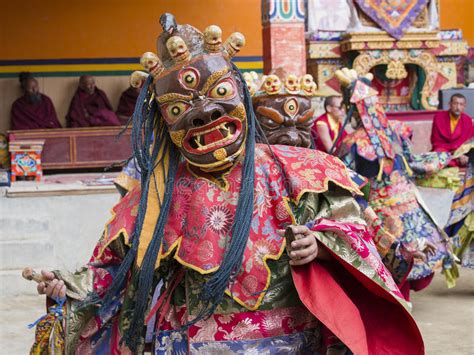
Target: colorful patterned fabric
point(464, 242)
point(461, 221)
point(201, 216)
point(392, 16)
point(297, 343)
point(393, 195)
point(377, 127)
point(357, 237)
point(447, 178)
point(395, 201)
point(49, 336)
point(243, 325)
point(262, 310)
point(364, 145)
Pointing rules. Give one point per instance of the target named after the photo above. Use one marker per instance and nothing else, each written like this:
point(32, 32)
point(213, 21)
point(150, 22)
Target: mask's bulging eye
point(173, 111)
point(189, 78)
point(223, 90)
point(291, 107)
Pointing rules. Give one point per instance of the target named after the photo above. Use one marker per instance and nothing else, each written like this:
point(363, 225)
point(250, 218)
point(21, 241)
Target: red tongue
point(213, 136)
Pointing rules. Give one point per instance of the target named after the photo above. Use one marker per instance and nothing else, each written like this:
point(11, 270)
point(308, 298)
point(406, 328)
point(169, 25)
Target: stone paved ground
point(445, 317)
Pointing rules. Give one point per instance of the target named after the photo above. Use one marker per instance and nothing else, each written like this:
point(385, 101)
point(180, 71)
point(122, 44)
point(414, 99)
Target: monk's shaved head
point(87, 83)
point(457, 105)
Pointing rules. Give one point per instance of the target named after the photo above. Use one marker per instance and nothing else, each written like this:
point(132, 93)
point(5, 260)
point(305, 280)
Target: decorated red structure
point(26, 159)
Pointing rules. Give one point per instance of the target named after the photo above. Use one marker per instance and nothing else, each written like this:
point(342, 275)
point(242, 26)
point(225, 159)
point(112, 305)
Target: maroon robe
point(127, 104)
point(90, 110)
point(27, 115)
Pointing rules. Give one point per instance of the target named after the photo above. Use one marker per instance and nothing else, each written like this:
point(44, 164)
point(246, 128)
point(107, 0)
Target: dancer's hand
point(430, 248)
point(304, 247)
point(51, 286)
point(463, 160)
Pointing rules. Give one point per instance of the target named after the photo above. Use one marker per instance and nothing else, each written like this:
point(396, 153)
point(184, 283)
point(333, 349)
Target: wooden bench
point(74, 148)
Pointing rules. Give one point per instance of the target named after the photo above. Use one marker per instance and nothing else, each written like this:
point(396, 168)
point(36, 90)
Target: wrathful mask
point(285, 119)
point(203, 109)
point(283, 107)
point(199, 94)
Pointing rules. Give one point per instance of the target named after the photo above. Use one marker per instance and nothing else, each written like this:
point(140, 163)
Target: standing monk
point(90, 106)
point(452, 128)
point(33, 110)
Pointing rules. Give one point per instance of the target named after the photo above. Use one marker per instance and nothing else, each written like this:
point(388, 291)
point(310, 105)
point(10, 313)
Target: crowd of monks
point(89, 107)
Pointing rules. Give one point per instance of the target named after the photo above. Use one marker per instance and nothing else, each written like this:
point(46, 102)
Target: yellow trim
point(121, 231)
point(153, 203)
point(326, 187)
point(126, 181)
point(51, 68)
point(267, 283)
point(176, 247)
point(381, 164)
point(462, 201)
point(286, 201)
point(407, 166)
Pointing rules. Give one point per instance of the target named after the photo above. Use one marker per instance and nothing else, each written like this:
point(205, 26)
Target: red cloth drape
point(367, 317)
point(90, 110)
point(27, 115)
point(362, 315)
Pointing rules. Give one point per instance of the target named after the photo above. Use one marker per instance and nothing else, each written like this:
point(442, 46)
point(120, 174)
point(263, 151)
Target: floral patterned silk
point(202, 212)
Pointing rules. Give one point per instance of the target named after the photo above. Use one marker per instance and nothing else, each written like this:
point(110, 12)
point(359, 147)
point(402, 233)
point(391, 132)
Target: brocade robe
point(269, 306)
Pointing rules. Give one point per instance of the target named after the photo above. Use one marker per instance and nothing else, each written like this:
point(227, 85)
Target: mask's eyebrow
point(212, 79)
point(172, 96)
point(271, 113)
point(306, 116)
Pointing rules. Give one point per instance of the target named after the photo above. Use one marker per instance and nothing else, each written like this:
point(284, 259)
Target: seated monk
point(90, 106)
point(452, 128)
point(327, 126)
point(33, 110)
point(127, 104)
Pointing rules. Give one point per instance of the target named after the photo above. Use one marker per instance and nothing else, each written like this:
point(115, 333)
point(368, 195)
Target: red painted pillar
point(283, 36)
